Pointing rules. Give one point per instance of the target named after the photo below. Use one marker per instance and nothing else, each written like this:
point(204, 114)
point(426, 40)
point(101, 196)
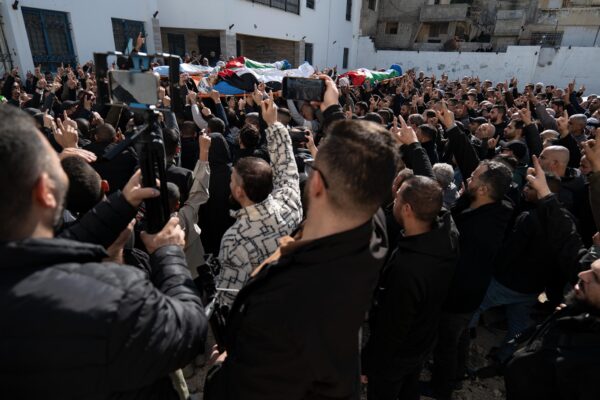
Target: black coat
point(535, 248)
point(213, 217)
point(190, 153)
point(481, 234)
point(412, 289)
point(74, 327)
point(293, 329)
point(116, 171)
point(560, 361)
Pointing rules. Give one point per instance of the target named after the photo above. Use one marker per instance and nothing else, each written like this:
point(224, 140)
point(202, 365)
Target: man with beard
point(561, 360)
point(269, 196)
point(412, 288)
point(73, 324)
point(292, 332)
point(481, 216)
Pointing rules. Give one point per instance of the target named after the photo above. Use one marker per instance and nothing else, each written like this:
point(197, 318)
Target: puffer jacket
point(74, 327)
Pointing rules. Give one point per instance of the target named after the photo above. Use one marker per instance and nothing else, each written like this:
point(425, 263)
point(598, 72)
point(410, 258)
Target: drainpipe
point(5, 42)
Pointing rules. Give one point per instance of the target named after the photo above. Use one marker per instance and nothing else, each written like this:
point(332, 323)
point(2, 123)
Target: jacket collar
point(35, 253)
point(255, 212)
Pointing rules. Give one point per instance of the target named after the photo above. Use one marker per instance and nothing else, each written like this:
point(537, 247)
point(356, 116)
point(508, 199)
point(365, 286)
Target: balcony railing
point(444, 13)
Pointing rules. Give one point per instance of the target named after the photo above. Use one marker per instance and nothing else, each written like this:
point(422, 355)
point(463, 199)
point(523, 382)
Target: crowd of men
point(402, 209)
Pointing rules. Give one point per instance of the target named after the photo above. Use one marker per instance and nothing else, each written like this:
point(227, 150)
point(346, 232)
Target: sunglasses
point(309, 166)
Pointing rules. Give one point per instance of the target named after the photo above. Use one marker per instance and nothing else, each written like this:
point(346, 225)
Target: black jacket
point(538, 241)
point(293, 329)
point(190, 153)
point(74, 327)
point(560, 361)
point(213, 217)
point(481, 233)
point(413, 286)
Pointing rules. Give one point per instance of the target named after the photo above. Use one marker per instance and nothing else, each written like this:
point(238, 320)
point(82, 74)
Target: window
point(292, 6)
point(310, 4)
point(345, 59)
point(348, 10)
point(49, 35)
point(372, 4)
point(391, 28)
point(176, 43)
point(125, 30)
point(437, 30)
point(546, 39)
point(308, 52)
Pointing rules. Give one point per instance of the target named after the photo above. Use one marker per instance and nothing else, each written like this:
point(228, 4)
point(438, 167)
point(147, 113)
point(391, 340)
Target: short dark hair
point(424, 195)
point(362, 105)
point(501, 109)
point(257, 177)
point(22, 160)
point(105, 133)
point(171, 141)
point(174, 195)
point(85, 189)
point(558, 102)
point(216, 125)
point(497, 177)
point(284, 111)
point(519, 124)
point(249, 136)
point(359, 160)
point(189, 129)
point(374, 117)
point(428, 131)
point(416, 119)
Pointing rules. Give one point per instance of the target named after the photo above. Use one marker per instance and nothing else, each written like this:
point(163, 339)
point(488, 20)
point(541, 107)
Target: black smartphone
point(305, 89)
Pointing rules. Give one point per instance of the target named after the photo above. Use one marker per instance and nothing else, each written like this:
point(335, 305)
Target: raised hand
point(537, 179)
point(269, 110)
point(592, 152)
point(170, 235)
point(445, 116)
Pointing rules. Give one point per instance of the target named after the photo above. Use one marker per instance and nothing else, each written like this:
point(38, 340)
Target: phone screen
point(303, 89)
point(127, 87)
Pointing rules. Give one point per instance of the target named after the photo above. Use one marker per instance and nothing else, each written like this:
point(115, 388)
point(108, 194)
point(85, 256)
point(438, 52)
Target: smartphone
point(305, 89)
point(133, 88)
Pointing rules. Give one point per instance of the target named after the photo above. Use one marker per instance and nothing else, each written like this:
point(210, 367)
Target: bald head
point(485, 131)
point(555, 159)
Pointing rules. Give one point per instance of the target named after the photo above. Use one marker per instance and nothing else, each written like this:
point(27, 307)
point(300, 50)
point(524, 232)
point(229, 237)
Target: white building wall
point(325, 26)
point(91, 26)
point(584, 36)
point(322, 26)
point(526, 63)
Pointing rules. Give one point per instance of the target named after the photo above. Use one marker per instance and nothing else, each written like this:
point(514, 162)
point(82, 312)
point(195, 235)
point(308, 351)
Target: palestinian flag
point(243, 62)
point(245, 78)
point(359, 76)
point(242, 78)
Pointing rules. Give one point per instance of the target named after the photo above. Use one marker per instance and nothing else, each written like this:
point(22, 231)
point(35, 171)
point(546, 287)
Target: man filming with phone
point(293, 329)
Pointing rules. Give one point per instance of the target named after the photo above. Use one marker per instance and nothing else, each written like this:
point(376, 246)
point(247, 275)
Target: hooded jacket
point(560, 361)
point(74, 327)
point(293, 329)
point(408, 302)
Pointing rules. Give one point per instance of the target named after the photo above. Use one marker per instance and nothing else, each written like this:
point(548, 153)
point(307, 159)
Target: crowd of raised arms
point(397, 211)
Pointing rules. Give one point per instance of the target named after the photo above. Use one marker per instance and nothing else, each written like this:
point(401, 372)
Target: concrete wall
point(368, 19)
point(526, 63)
point(91, 25)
